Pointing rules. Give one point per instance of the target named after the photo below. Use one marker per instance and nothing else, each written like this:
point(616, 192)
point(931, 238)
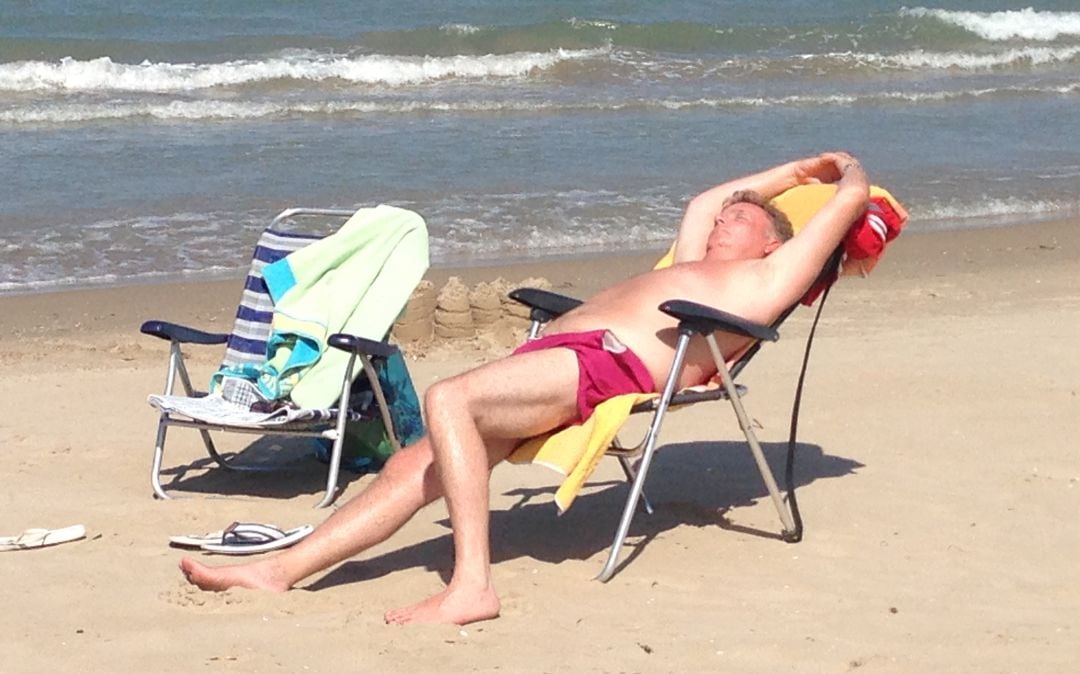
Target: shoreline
point(211, 304)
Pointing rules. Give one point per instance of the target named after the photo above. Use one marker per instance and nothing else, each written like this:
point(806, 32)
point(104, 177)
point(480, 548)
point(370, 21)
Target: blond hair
point(777, 218)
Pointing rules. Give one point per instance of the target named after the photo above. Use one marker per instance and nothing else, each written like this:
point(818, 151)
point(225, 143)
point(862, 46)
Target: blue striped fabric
point(247, 343)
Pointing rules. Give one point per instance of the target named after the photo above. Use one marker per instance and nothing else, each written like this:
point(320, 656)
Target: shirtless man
point(729, 254)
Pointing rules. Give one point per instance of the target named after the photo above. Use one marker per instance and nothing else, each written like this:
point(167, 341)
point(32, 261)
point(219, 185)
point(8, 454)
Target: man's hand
point(845, 169)
point(830, 167)
point(813, 170)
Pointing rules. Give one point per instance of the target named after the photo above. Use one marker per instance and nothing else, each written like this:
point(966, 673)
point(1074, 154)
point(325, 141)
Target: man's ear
point(772, 245)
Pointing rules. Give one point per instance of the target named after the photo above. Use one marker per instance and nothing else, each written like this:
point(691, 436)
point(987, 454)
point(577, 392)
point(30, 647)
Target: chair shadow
point(695, 484)
point(284, 467)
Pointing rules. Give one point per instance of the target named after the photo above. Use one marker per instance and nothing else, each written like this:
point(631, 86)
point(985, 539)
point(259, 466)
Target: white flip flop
point(195, 540)
point(244, 538)
point(39, 538)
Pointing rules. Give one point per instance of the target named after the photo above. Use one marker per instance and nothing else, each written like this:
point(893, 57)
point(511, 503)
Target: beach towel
point(355, 281)
point(576, 450)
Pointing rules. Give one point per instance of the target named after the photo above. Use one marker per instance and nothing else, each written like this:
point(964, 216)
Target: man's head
point(747, 227)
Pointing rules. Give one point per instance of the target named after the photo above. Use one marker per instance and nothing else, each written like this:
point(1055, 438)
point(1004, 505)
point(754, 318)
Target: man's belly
point(652, 339)
point(628, 329)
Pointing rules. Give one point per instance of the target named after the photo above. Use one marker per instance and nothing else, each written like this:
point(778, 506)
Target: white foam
point(28, 285)
point(210, 110)
point(591, 23)
point(827, 100)
point(990, 209)
point(216, 110)
point(1024, 24)
point(460, 29)
point(919, 59)
point(103, 74)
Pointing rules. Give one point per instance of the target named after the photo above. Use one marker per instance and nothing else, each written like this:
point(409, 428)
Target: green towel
point(356, 281)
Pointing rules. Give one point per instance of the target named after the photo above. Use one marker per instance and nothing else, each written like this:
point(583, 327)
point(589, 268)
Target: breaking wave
point(1022, 24)
point(103, 74)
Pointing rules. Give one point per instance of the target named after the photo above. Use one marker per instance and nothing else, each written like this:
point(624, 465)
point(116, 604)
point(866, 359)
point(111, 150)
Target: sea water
point(152, 139)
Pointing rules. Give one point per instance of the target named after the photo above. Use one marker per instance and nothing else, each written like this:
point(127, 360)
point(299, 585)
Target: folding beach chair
point(700, 320)
point(361, 400)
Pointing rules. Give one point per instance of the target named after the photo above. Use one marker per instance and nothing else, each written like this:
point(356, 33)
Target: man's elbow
point(697, 208)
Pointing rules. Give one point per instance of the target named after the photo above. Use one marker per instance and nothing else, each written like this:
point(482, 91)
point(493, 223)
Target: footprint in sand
point(188, 595)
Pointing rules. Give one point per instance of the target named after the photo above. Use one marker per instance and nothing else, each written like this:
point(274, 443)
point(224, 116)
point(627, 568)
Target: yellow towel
point(575, 451)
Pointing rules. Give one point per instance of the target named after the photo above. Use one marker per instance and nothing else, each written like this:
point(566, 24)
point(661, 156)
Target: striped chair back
point(247, 343)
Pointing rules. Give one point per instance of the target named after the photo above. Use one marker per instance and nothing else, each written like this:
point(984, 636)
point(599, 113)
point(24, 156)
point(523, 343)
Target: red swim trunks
point(606, 367)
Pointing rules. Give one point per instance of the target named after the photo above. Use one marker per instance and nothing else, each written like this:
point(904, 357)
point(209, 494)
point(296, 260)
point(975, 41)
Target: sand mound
point(417, 322)
point(482, 317)
point(453, 317)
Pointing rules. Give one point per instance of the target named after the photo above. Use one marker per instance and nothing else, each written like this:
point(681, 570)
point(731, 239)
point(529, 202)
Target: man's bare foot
point(453, 606)
point(261, 575)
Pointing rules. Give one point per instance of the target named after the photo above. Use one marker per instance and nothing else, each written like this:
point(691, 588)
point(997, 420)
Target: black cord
point(789, 472)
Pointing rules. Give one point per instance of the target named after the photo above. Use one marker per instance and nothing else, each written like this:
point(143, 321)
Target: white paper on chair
point(216, 410)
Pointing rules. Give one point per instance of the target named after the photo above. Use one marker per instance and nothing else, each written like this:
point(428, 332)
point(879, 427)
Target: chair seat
point(689, 396)
point(214, 410)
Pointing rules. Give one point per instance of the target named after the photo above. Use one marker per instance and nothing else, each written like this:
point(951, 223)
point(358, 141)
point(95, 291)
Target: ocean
point(151, 140)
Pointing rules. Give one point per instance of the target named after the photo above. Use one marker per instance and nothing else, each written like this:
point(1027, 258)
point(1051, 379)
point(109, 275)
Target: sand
point(939, 481)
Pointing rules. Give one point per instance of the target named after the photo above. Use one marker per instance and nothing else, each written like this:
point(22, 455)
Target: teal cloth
point(357, 281)
point(367, 445)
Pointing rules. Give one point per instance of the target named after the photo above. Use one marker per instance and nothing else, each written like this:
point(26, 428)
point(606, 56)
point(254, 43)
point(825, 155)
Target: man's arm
point(702, 210)
point(792, 267)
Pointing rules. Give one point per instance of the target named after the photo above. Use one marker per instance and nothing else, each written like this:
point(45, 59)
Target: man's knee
point(446, 395)
point(410, 463)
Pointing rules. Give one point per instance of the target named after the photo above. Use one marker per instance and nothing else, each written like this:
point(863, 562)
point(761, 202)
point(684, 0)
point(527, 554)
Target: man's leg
point(508, 400)
point(403, 486)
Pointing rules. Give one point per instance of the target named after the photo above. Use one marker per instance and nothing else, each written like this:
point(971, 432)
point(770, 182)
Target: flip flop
point(39, 538)
point(237, 533)
point(249, 538)
point(195, 540)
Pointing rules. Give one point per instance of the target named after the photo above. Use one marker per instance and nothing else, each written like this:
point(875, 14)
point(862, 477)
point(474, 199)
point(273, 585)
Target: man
point(730, 253)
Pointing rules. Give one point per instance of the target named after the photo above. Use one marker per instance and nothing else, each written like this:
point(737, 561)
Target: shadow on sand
point(689, 484)
point(283, 468)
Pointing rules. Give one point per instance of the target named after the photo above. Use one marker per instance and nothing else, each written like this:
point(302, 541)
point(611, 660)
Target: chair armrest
point(545, 304)
point(361, 346)
point(704, 320)
point(181, 333)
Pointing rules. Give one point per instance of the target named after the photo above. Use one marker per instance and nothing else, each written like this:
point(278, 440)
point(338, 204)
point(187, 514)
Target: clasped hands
point(830, 167)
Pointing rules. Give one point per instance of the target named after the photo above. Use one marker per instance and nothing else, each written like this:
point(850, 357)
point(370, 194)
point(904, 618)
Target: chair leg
point(334, 468)
point(751, 438)
point(628, 470)
point(159, 452)
point(176, 367)
point(643, 469)
point(185, 381)
point(332, 472)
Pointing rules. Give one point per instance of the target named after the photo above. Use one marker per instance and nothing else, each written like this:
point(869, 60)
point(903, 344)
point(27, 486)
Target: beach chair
point(247, 346)
point(699, 320)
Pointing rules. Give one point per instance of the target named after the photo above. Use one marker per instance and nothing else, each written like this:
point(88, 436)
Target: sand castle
point(458, 312)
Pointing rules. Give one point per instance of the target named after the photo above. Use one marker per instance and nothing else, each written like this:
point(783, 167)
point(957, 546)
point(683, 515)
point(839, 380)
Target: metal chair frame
point(694, 319)
point(368, 352)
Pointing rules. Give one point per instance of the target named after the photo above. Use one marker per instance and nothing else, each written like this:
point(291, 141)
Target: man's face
point(741, 231)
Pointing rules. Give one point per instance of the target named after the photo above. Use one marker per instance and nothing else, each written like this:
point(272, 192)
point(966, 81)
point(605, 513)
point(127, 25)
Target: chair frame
point(694, 319)
point(368, 352)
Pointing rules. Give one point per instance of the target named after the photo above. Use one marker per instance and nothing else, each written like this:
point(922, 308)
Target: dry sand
point(939, 475)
